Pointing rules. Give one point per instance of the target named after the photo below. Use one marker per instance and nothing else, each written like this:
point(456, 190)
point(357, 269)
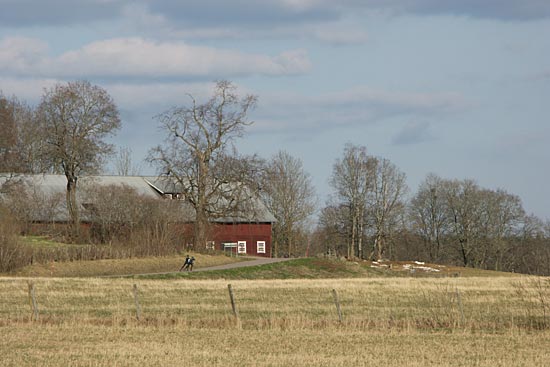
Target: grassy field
point(412, 321)
point(323, 268)
point(305, 268)
point(119, 266)
point(96, 345)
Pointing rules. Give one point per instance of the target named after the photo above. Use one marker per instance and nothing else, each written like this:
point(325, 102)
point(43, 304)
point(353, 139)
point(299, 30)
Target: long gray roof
point(148, 186)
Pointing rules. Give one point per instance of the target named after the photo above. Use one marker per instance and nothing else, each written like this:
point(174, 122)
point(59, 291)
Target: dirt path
point(241, 264)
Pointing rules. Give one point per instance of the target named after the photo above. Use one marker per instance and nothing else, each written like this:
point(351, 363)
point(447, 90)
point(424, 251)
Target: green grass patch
point(321, 268)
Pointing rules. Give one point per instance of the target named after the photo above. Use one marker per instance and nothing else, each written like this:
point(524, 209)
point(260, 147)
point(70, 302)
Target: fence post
point(233, 306)
point(136, 300)
point(337, 303)
point(32, 301)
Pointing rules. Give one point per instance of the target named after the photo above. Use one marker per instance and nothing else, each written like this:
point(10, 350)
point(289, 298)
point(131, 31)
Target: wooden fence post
point(32, 301)
point(233, 306)
point(136, 300)
point(337, 303)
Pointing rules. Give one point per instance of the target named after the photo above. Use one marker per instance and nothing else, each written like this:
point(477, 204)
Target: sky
point(456, 88)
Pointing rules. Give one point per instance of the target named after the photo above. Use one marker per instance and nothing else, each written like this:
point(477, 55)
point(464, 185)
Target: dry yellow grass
point(388, 321)
point(93, 345)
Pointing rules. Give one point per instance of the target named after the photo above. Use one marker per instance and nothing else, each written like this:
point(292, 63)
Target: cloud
point(158, 96)
point(18, 54)
point(139, 58)
point(252, 14)
point(24, 13)
point(353, 107)
point(269, 12)
point(27, 89)
point(532, 141)
point(249, 12)
point(489, 9)
point(413, 133)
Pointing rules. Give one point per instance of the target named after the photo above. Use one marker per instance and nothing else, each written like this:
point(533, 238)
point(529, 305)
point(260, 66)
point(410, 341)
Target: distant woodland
point(371, 214)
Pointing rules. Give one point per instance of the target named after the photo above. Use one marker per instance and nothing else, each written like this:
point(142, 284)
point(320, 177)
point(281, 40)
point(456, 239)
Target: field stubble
point(396, 321)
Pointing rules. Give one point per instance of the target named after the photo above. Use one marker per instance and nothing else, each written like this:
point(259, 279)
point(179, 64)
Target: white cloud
point(29, 90)
point(18, 54)
point(339, 36)
point(412, 133)
point(157, 96)
point(139, 58)
point(352, 107)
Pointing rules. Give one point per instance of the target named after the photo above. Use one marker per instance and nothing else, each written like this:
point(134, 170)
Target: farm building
point(248, 233)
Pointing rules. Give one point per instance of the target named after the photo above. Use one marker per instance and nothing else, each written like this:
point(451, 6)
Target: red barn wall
point(249, 232)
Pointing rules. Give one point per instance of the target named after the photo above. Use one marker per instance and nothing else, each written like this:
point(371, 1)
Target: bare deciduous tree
point(385, 202)
point(29, 204)
point(502, 219)
point(373, 189)
point(200, 155)
point(290, 196)
point(119, 213)
point(124, 165)
point(350, 178)
point(428, 215)
point(77, 116)
point(477, 223)
point(21, 140)
point(8, 137)
point(333, 229)
point(462, 199)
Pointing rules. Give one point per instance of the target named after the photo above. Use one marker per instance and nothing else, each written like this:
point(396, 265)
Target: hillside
point(322, 268)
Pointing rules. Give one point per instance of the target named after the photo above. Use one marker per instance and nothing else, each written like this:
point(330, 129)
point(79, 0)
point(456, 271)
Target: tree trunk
point(360, 234)
point(379, 245)
point(351, 247)
point(72, 206)
point(201, 226)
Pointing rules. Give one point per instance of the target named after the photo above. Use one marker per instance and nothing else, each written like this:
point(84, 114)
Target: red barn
point(249, 234)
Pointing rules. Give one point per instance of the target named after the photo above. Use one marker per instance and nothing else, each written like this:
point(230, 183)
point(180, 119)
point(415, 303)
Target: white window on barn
point(260, 246)
point(210, 245)
point(241, 247)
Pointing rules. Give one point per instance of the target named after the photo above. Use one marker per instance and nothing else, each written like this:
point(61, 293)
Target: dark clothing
point(186, 263)
point(191, 263)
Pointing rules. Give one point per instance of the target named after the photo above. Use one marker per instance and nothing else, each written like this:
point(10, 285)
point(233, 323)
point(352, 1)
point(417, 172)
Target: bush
point(12, 253)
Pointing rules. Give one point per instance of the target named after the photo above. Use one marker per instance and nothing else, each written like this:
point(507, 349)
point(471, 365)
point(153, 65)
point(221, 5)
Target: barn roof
point(48, 185)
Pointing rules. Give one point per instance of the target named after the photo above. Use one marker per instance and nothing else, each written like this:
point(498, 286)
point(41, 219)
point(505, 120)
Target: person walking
point(186, 263)
point(191, 263)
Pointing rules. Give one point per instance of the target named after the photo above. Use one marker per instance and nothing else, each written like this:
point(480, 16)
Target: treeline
point(373, 216)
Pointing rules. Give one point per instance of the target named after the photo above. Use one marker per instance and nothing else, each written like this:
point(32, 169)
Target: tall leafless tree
point(428, 215)
point(502, 217)
point(77, 117)
point(333, 229)
point(290, 196)
point(463, 203)
point(373, 190)
point(8, 137)
point(351, 179)
point(385, 203)
point(124, 166)
point(199, 154)
point(21, 142)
